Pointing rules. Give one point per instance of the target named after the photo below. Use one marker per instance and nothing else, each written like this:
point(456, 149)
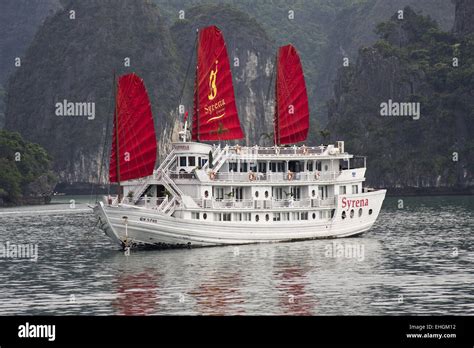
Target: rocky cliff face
point(353, 28)
point(19, 21)
point(73, 58)
point(251, 54)
point(464, 23)
point(412, 63)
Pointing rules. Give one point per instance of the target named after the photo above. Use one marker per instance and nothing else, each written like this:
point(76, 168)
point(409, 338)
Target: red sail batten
point(134, 126)
point(291, 109)
point(215, 114)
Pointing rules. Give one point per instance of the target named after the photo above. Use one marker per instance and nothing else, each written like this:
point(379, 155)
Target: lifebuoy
point(212, 175)
point(317, 175)
point(252, 176)
point(289, 176)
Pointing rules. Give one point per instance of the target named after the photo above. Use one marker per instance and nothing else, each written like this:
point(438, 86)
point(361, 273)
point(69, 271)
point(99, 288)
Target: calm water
point(416, 260)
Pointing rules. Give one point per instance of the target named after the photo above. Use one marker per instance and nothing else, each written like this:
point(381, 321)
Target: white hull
point(153, 228)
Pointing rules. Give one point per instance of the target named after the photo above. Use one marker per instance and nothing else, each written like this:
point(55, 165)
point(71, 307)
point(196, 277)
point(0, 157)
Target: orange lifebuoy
point(212, 175)
point(252, 176)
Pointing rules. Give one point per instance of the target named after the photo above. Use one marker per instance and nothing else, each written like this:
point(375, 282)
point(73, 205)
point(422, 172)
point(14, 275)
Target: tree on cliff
point(25, 170)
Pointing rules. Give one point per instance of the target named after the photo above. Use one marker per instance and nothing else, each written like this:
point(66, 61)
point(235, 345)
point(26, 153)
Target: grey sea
point(417, 259)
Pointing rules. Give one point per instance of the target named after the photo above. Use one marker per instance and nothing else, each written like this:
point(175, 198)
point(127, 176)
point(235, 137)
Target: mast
point(197, 83)
point(117, 152)
point(275, 121)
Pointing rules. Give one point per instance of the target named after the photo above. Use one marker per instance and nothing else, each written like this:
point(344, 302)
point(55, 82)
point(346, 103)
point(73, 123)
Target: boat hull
point(133, 226)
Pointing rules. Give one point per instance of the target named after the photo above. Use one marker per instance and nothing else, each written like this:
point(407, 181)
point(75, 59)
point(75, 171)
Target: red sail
point(215, 113)
point(291, 109)
point(136, 145)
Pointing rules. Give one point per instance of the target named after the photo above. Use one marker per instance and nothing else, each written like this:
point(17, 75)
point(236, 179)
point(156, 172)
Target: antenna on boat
point(184, 133)
point(117, 152)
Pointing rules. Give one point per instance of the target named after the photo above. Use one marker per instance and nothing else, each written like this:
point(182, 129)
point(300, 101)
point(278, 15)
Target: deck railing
point(264, 203)
point(275, 177)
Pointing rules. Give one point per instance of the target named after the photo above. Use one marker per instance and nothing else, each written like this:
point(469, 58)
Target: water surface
point(416, 260)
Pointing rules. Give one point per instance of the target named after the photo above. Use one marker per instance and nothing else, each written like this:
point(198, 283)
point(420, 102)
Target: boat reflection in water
point(220, 295)
point(294, 299)
point(137, 293)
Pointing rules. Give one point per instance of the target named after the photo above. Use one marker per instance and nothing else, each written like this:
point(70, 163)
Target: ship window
point(304, 215)
point(191, 161)
point(238, 217)
point(257, 218)
point(195, 216)
point(313, 193)
point(370, 211)
point(276, 217)
point(281, 167)
point(232, 166)
point(217, 217)
point(246, 216)
point(360, 212)
point(206, 194)
point(355, 189)
point(203, 161)
point(256, 194)
point(309, 166)
point(267, 217)
point(326, 167)
point(333, 211)
point(314, 216)
point(262, 167)
point(286, 216)
point(204, 216)
point(227, 217)
point(266, 194)
point(182, 161)
point(352, 213)
point(342, 190)
point(318, 165)
point(343, 215)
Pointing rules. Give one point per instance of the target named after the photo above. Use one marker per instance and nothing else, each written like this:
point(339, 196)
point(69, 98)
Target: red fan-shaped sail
point(133, 123)
point(215, 113)
point(291, 109)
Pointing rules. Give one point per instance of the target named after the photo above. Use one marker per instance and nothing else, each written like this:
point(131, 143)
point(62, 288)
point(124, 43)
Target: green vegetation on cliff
point(414, 61)
point(25, 170)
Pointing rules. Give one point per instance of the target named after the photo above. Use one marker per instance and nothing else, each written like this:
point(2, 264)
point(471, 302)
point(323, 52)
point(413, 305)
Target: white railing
point(264, 204)
point(276, 177)
point(276, 150)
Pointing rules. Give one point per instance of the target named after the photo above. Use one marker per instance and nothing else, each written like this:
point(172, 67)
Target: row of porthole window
point(351, 214)
point(267, 217)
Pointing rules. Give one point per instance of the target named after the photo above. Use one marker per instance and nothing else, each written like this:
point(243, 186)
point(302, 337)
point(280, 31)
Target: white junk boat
point(207, 195)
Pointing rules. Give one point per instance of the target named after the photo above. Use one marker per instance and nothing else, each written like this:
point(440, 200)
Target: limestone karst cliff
point(413, 62)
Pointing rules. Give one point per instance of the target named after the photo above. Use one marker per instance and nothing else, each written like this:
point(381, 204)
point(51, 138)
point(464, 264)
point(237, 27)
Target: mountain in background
point(19, 22)
point(74, 60)
point(413, 61)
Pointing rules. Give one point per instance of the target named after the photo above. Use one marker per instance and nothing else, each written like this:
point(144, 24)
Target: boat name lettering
point(182, 147)
point(354, 203)
point(145, 219)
